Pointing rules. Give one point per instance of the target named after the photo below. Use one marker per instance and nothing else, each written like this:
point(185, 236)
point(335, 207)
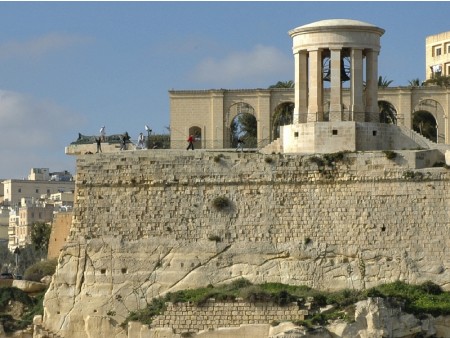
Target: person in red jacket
point(191, 142)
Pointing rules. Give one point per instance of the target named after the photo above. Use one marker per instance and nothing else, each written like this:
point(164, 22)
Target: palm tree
point(388, 113)
point(283, 84)
point(282, 116)
point(383, 83)
point(414, 82)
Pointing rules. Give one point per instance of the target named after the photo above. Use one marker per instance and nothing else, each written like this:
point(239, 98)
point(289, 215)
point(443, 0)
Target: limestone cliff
point(145, 224)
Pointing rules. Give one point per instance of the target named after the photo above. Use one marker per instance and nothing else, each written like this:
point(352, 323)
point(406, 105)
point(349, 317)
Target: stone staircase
point(422, 141)
point(274, 147)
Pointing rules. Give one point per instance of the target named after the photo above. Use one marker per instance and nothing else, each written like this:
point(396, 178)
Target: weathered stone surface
point(28, 286)
point(144, 225)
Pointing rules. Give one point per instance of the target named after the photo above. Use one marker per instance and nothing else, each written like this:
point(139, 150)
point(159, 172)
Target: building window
point(374, 132)
point(19, 190)
point(37, 191)
point(335, 132)
point(48, 191)
point(296, 134)
point(438, 51)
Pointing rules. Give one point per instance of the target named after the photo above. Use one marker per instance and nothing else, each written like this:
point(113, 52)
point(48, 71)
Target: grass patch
point(426, 298)
point(33, 307)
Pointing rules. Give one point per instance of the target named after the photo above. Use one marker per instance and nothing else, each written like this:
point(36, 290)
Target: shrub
point(217, 158)
point(215, 238)
point(416, 176)
point(317, 160)
point(390, 155)
point(221, 202)
point(40, 269)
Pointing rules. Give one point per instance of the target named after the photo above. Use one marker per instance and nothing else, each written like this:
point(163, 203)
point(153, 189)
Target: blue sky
point(69, 67)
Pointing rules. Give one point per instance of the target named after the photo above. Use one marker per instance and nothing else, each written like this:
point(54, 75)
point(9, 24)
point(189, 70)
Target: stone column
point(372, 86)
point(216, 125)
point(263, 117)
point(356, 85)
point(301, 87)
point(315, 105)
point(335, 86)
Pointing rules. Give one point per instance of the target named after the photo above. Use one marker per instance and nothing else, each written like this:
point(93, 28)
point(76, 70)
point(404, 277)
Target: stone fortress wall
point(144, 224)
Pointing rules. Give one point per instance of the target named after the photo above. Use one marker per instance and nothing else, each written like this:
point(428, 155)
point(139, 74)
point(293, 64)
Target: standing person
point(191, 142)
point(99, 144)
point(240, 144)
point(103, 133)
point(141, 141)
point(123, 142)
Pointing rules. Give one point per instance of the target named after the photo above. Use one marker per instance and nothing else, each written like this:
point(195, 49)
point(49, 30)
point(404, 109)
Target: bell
point(344, 76)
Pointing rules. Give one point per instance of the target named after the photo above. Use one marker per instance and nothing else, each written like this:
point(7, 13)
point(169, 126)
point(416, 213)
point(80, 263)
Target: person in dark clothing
point(240, 144)
point(99, 144)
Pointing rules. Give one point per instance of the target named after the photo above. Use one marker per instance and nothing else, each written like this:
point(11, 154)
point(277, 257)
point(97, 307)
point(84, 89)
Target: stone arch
point(435, 109)
point(197, 133)
point(232, 114)
point(425, 124)
point(387, 111)
point(283, 114)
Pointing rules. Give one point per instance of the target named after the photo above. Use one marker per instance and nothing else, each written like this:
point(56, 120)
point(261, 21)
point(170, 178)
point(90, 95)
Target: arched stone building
point(210, 112)
point(320, 95)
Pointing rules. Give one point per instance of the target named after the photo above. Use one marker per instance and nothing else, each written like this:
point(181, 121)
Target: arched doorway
point(197, 133)
point(425, 124)
point(388, 113)
point(282, 116)
point(243, 125)
point(433, 126)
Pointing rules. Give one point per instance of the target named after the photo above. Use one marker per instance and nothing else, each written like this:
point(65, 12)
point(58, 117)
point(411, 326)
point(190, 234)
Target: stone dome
point(333, 24)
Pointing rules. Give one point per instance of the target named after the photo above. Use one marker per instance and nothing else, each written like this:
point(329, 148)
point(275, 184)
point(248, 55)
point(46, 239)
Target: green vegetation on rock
point(427, 298)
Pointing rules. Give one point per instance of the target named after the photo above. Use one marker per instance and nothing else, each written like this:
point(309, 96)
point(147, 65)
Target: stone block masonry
point(186, 317)
point(145, 224)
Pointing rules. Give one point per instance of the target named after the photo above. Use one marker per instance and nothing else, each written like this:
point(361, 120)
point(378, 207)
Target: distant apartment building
point(40, 182)
point(21, 220)
point(34, 200)
point(437, 59)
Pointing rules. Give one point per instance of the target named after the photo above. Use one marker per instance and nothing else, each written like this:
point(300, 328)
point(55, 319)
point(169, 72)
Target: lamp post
point(17, 253)
point(147, 128)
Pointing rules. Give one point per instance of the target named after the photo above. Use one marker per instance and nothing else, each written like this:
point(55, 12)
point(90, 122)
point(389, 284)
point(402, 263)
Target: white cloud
point(34, 133)
point(254, 66)
point(40, 45)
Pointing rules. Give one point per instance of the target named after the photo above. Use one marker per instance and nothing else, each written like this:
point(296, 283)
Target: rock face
point(29, 286)
point(146, 223)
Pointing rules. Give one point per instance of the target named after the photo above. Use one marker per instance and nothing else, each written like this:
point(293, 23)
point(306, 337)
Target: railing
point(215, 144)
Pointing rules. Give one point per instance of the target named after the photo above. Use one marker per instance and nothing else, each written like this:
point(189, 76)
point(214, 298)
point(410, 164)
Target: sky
point(72, 67)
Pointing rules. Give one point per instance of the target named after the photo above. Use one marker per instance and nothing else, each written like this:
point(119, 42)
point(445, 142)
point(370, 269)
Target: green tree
point(388, 113)
point(6, 257)
point(425, 124)
point(244, 126)
point(40, 236)
point(283, 84)
point(439, 80)
point(383, 83)
point(282, 116)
